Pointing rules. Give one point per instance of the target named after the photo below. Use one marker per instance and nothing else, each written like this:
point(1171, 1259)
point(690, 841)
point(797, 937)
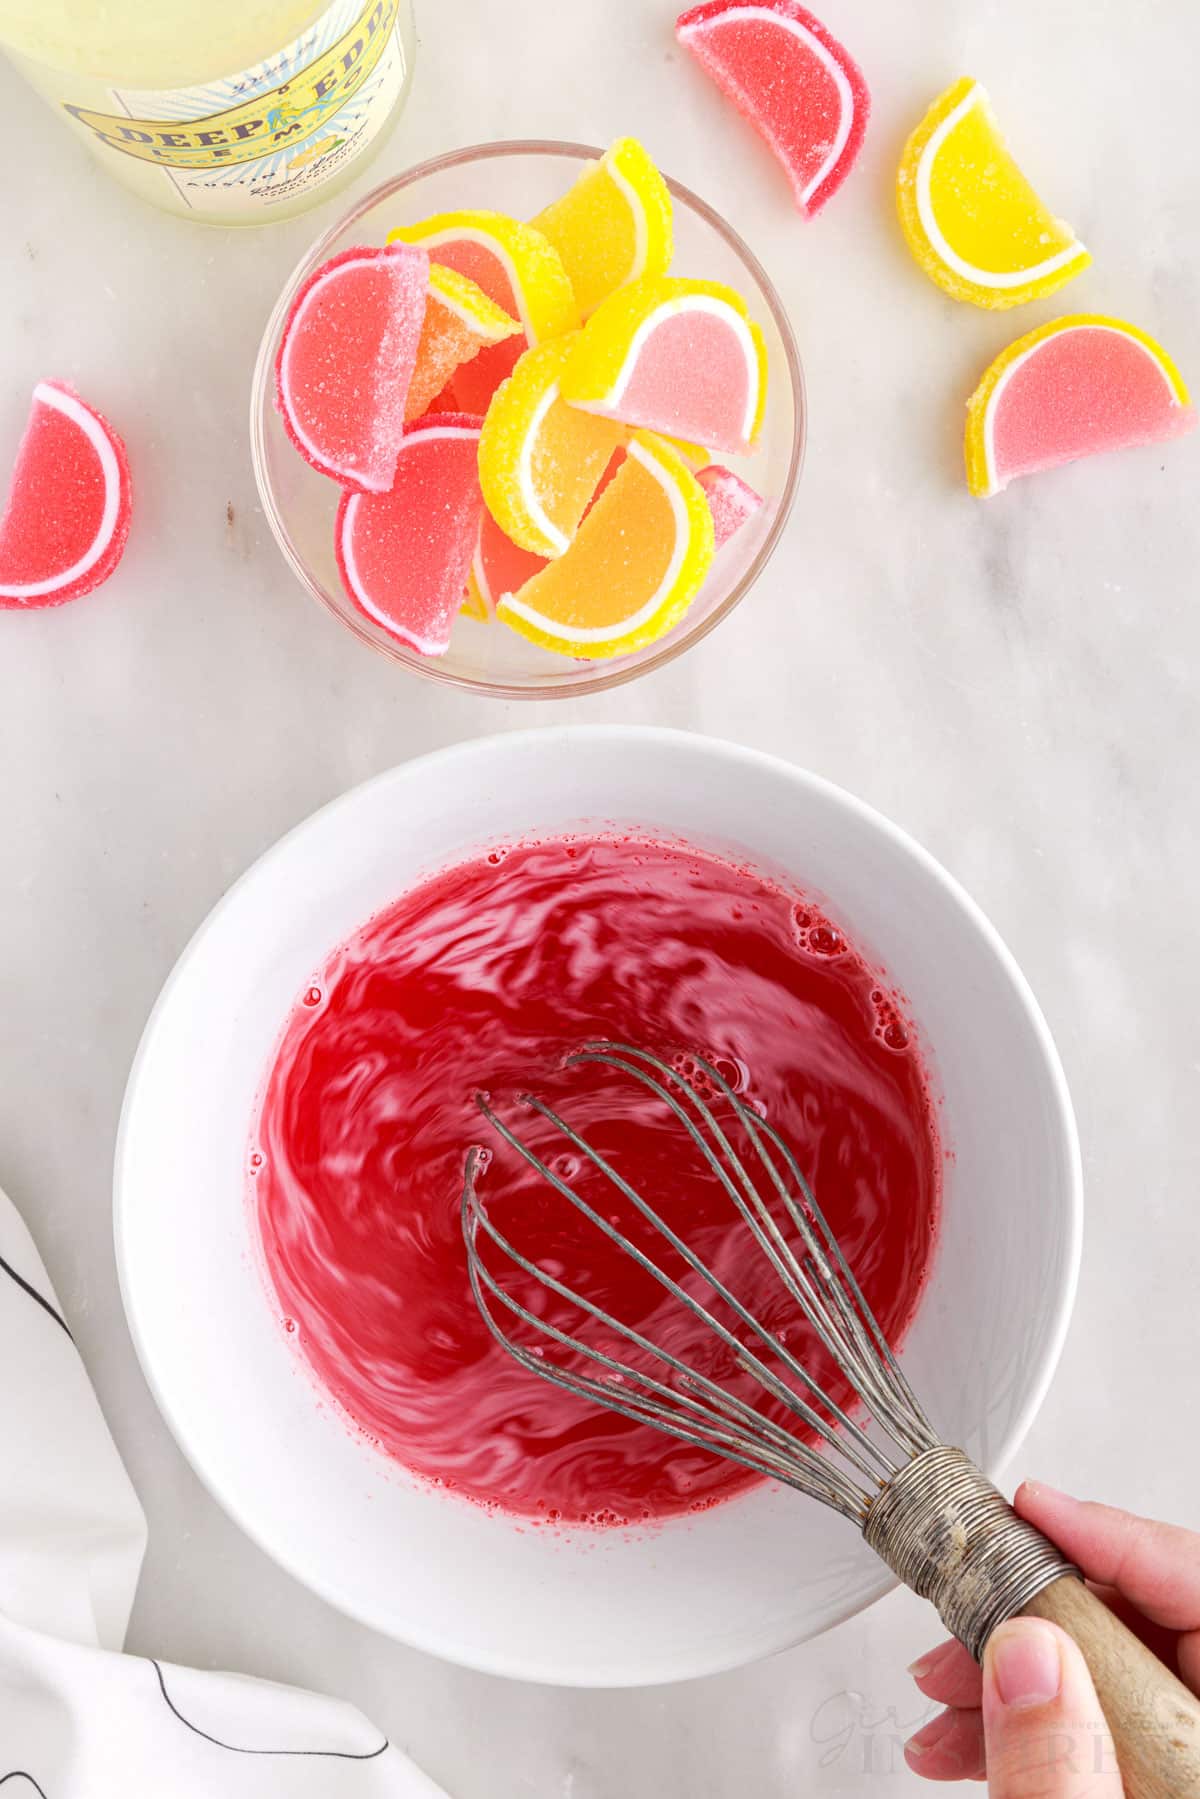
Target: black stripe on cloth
point(33, 1293)
point(345, 1755)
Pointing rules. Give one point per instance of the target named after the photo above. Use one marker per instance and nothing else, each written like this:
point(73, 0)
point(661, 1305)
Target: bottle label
point(273, 132)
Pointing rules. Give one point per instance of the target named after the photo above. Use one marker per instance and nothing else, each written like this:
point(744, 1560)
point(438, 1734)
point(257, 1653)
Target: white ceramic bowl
point(700, 1594)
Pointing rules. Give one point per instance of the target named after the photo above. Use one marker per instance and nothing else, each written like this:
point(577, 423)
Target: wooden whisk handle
point(1154, 1719)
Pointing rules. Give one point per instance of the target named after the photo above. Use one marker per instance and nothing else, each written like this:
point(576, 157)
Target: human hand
point(1029, 1721)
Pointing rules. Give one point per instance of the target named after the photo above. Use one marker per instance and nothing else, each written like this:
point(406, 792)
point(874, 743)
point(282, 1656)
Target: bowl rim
point(261, 401)
point(559, 737)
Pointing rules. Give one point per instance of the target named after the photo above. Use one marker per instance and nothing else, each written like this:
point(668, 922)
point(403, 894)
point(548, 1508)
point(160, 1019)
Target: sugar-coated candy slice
point(446, 401)
point(732, 501)
point(614, 225)
point(1076, 387)
point(798, 86)
point(636, 563)
point(517, 268)
point(471, 387)
point(972, 220)
point(540, 459)
point(610, 473)
point(681, 358)
point(69, 506)
point(499, 566)
point(346, 359)
point(404, 555)
point(459, 321)
point(696, 455)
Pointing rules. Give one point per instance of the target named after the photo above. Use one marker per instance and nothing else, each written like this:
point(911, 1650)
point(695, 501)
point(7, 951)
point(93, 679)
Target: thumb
point(1046, 1734)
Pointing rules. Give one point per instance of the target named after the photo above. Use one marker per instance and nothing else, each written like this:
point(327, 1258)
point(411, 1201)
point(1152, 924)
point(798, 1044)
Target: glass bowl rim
point(261, 399)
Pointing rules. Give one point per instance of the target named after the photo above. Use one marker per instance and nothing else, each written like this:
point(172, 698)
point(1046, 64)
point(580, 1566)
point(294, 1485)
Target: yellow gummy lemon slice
point(459, 321)
point(614, 224)
point(540, 460)
point(634, 568)
point(681, 358)
point(972, 220)
point(470, 305)
point(513, 263)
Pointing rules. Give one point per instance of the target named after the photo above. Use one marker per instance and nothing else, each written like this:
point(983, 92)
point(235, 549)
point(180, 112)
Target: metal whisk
point(922, 1506)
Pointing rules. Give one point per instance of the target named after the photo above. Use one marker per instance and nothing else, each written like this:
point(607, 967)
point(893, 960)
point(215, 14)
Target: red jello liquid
point(486, 977)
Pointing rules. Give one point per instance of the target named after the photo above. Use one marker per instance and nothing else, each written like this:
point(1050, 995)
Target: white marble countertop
point(1019, 685)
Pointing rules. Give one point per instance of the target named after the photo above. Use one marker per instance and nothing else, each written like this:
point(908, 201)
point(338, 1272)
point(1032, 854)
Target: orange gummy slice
point(635, 566)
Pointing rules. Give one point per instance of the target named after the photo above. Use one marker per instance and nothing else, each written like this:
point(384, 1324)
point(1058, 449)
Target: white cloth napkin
point(79, 1719)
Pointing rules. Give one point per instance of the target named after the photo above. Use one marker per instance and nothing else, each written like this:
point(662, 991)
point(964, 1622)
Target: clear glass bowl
point(520, 178)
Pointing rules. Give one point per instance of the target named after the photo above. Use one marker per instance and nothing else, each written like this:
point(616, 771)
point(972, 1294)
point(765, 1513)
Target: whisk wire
point(718, 1396)
point(814, 1296)
point(775, 1457)
point(813, 1273)
point(745, 1357)
point(852, 1335)
point(908, 1418)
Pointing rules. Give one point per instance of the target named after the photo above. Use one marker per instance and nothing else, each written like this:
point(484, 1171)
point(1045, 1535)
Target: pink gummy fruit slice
point(692, 380)
point(1078, 394)
point(791, 78)
point(404, 555)
point(346, 358)
point(731, 501)
point(64, 528)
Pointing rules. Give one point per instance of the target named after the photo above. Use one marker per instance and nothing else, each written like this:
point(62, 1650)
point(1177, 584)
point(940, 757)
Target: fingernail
point(929, 1735)
point(1040, 1489)
point(1024, 1662)
point(925, 1664)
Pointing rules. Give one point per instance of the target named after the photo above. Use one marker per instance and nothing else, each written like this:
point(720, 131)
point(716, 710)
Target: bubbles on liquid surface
point(313, 997)
point(823, 940)
point(815, 933)
point(730, 1070)
point(890, 1028)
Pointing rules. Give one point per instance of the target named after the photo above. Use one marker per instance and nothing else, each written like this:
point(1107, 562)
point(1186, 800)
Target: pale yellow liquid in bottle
point(233, 112)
